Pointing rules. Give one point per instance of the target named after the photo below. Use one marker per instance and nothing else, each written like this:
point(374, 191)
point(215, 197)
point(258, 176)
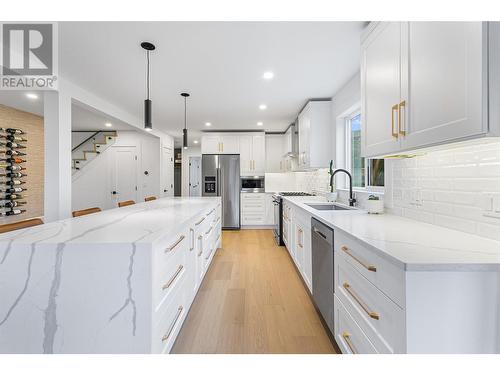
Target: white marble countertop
point(414, 245)
point(140, 223)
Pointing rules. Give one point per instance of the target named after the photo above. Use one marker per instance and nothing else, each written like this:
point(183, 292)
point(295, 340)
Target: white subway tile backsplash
point(448, 187)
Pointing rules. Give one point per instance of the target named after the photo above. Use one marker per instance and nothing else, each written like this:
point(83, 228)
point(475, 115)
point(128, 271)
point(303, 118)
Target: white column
point(57, 128)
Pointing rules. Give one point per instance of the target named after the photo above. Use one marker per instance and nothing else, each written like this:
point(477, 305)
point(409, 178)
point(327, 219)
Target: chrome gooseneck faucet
point(352, 200)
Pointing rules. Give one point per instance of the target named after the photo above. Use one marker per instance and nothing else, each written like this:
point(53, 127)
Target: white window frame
point(347, 156)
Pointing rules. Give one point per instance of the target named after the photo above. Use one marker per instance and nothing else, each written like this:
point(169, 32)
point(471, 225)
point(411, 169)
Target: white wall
point(186, 154)
point(91, 187)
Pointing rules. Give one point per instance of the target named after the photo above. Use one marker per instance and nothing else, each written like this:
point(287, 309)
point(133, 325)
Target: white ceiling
point(219, 63)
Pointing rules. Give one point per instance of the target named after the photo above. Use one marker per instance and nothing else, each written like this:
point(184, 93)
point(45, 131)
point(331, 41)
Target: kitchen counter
point(139, 223)
point(414, 245)
point(116, 281)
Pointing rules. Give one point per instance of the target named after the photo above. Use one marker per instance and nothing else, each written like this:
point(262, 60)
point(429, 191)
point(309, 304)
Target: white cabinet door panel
point(381, 71)
point(445, 90)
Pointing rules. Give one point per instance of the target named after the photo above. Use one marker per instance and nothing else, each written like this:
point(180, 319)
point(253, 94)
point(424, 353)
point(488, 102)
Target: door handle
point(114, 192)
point(402, 131)
point(394, 132)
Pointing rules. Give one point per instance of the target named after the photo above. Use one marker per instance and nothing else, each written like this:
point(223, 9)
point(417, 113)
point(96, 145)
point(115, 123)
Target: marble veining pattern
point(412, 244)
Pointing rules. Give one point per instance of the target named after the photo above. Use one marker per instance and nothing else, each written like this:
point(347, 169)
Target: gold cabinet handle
point(172, 279)
point(172, 326)
point(299, 242)
point(401, 129)
point(217, 239)
point(208, 231)
point(363, 305)
point(191, 231)
point(199, 222)
point(200, 238)
point(174, 245)
point(210, 253)
point(250, 165)
point(347, 338)
point(394, 131)
point(369, 267)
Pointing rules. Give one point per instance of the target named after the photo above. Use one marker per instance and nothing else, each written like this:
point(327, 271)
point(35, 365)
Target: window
point(365, 172)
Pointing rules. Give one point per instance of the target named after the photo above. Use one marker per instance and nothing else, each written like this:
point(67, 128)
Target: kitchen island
point(118, 281)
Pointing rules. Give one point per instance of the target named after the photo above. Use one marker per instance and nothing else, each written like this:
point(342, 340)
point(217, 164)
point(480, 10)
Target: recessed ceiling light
point(268, 75)
point(195, 142)
point(208, 124)
point(262, 107)
point(108, 124)
point(260, 123)
point(31, 96)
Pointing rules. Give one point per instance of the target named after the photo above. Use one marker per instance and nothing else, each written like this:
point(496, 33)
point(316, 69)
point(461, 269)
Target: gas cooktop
point(294, 194)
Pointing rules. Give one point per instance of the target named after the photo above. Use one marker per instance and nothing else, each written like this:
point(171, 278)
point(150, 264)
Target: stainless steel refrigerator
point(221, 178)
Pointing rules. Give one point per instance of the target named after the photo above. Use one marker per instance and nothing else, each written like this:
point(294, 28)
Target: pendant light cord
point(185, 115)
point(147, 74)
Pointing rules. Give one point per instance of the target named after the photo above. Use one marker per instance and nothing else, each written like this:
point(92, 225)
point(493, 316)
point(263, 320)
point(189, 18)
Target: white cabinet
point(253, 208)
point(274, 153)
point(315, 135)
point(252, 150)
point(220, 144)
point(422, 84)
point(297, 238)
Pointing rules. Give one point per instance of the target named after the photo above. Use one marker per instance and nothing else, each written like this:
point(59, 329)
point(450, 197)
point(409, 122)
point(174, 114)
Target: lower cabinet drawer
point(379, 317)
point(348, 335)
point(249, 218)
point(168, 278)
point(167, 329)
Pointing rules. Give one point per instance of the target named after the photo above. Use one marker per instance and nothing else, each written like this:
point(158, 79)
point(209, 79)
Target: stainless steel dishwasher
point(323, 270)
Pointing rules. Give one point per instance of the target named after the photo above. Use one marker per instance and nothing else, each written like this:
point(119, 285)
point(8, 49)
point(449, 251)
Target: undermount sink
point(327, 207)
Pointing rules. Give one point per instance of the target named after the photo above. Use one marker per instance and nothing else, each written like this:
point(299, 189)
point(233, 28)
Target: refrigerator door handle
point(218, 181)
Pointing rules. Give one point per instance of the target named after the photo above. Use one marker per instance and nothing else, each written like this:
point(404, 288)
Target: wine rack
point(12, 171)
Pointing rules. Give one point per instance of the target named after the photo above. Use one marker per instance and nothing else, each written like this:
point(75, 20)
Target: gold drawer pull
point(172, 279)
point(363, 305)
point(369, 267)
point(217, 239)
point(191, 230)
point(210, 253)
point(201, 221)
point(201, 252)
point(171, 247)
point(177, 316)
point(347, 338)
point(208, 231)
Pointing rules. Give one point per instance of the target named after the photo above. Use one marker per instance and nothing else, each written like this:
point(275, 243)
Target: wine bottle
point(12, 130)
point(14, 182)
point(14, 160)
point(12, 153)
point(12, 212)
point(12, 204)
point(12, 167)
point(12, 190)
point(13, 138)
point(13, 175)
point(10, 197)
point(12, 145)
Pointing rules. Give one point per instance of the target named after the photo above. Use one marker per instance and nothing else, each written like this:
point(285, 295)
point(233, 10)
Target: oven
point(278, 220)
point(252, 184)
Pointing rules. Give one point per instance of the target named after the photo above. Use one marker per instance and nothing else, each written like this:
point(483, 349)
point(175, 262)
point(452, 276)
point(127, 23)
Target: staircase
point(90, 148)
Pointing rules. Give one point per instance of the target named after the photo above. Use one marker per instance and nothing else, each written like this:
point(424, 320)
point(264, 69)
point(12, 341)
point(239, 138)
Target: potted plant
point(374, 205)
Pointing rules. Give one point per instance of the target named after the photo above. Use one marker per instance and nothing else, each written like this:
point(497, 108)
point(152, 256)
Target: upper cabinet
point(275, 146)
point(315, 135)
point(220, 144)
point(252, 154)
point(422, 84)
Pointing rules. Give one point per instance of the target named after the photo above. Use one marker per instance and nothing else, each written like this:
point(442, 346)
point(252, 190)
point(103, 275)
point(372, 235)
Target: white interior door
point(168, 172)
point(195, 176)
point(124, 173)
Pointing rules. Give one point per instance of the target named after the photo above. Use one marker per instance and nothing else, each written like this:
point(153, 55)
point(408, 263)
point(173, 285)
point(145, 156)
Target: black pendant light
point(148, 123)
point(185, 131)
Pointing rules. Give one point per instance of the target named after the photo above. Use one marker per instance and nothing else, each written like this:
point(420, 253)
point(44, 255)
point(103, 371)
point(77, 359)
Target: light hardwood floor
point(252, 301)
